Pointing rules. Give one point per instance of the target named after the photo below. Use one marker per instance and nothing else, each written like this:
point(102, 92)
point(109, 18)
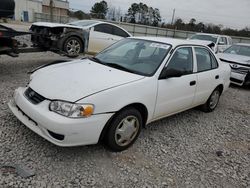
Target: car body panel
point(111, 90)
point(71, 87)
point(240, 66)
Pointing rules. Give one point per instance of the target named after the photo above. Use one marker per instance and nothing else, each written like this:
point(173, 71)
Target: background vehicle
point(238, 56)
point(221, 42)
point(89, 36)
point(111, 96)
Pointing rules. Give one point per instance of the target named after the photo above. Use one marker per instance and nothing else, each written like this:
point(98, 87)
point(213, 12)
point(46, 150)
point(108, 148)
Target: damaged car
point(238, 57)
point(84, 36)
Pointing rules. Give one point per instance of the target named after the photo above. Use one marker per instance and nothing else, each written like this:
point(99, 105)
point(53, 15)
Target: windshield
point(83, 23)
point(134, 55)
point(205, 37)
point(239, 50)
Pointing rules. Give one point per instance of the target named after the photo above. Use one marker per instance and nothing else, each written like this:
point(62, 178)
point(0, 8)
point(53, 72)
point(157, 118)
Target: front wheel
point(73, 46)
point(124, 129)
point(212, 101)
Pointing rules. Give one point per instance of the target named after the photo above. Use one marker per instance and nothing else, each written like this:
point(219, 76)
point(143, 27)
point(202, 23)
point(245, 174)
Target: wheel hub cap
point(127, 130)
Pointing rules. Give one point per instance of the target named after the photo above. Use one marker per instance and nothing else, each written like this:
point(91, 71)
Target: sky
point(230, 13)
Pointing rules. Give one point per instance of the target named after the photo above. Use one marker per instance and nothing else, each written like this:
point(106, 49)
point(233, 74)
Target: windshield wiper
point(114, 65)
point(95, 59)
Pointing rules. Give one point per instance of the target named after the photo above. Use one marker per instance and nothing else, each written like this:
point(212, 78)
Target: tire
point(73, 46)
point(124, 130)
point(212, 101)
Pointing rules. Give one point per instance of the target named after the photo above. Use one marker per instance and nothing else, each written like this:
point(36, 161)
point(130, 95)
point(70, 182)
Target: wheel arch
point(138, 106)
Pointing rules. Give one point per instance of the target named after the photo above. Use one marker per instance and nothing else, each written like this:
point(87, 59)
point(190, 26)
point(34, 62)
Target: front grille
point(33, 97)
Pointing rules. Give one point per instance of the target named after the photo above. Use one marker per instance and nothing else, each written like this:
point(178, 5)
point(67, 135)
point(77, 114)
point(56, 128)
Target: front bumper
point(53, 127)
point(240, 78)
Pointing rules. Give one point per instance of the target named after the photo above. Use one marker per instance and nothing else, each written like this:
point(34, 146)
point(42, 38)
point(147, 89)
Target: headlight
point(72, 110)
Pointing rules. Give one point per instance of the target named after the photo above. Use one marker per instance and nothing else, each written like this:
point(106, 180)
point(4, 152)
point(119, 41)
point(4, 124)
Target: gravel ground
point(190, 149)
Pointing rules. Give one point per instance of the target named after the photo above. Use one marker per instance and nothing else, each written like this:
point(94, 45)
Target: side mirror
point(91, 29)
point(170, 73)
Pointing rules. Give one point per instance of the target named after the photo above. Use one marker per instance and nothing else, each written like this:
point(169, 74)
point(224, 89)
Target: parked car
point(238, 56)
point(221, 42)
point(89, 36)
point(111, 96)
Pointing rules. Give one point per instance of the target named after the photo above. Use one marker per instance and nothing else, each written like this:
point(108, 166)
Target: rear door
point(208, 76)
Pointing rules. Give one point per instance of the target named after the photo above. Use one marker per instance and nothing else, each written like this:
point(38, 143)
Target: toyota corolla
point(111, 96)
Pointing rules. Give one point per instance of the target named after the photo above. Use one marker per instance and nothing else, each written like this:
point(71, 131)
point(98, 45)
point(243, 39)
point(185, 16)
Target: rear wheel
point(73, 46)
point(212, 102)
point(124, 129)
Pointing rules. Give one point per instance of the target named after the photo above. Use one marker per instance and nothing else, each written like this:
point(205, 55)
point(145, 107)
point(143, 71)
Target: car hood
point(74, 80)
point(245, 60)
point(53, 25)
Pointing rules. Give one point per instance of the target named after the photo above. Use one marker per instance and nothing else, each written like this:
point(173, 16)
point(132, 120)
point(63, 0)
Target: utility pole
point(51, 10)
point(172, 22)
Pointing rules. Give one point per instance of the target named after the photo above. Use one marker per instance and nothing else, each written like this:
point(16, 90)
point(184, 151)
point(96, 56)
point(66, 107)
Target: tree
point(132, 11)
point(99, 10)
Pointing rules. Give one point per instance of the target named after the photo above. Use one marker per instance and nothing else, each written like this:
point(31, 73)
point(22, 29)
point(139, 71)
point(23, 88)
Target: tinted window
point(104, 28)
point(120, 32)
point(182, 60)
point(205, 60)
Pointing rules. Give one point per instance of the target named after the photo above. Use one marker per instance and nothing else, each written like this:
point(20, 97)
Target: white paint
point(110, 90)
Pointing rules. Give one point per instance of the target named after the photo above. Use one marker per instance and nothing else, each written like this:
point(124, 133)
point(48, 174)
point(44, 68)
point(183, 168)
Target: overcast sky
point(229, 13)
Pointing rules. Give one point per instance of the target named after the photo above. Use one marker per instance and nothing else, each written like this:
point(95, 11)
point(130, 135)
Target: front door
point(177, 94)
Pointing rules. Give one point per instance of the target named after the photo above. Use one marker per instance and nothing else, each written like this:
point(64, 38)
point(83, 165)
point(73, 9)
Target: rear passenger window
point(205, 60)
point(182, 60)
point(120, 32)
point(104, 28)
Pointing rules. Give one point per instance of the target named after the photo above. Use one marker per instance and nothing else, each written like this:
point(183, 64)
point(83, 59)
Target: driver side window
point(182, 60)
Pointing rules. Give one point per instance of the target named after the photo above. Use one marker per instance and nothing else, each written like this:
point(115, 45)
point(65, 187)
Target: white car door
point(100, 37)
point(208, 76)
point(104, 35)
point(176, 94)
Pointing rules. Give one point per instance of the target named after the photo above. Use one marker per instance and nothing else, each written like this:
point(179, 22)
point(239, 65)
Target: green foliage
point(141, 13)
point(79, 15)
point(99, 10)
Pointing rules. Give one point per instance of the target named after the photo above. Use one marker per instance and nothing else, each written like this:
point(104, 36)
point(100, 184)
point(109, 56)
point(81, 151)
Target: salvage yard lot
point(190, 149)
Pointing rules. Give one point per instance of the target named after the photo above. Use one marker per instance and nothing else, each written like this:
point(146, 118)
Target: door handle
point(217, 77)
point(192, 83)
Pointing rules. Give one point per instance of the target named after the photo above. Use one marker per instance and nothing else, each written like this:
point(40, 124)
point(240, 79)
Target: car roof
point(174, 42)
point(211, 34)
point(242, 44)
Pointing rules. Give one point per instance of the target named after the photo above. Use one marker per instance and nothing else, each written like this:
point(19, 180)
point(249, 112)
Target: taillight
point(1, 34)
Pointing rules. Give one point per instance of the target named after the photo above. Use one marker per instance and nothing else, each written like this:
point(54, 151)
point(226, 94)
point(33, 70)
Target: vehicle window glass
point(182, 60)
point(130, 54)
point(120, 32)
point(204, 37)
point(239, 50)
point(204, 60)
point(223, 40)
point(104, 28)
point(214, 62)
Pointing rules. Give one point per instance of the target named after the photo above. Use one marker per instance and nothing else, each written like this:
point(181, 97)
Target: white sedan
point(238, 57)
point(88, 36)
point(111, 96)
